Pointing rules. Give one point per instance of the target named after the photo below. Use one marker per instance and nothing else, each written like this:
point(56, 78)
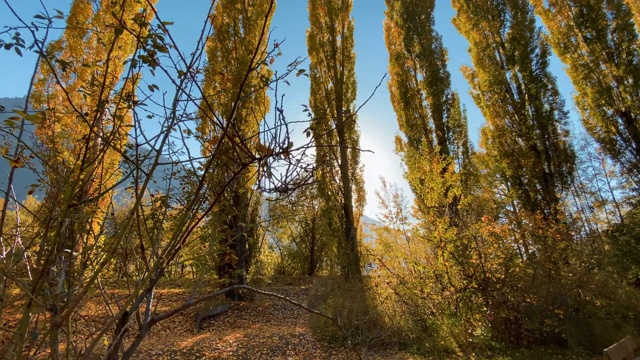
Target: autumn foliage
point(171, 180)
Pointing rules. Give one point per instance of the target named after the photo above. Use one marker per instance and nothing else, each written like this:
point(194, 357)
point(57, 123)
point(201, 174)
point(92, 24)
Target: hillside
point(25, 177)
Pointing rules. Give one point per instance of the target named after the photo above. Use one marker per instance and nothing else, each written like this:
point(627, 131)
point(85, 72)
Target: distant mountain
point(25, 177)
point(368, 226)
point(370, 220)
point(7, 105)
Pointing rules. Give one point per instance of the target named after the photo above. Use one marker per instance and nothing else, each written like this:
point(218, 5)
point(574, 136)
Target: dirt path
point(266, 328)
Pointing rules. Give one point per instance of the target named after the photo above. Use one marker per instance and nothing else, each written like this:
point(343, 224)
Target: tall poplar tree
point(334, 124)
point(526, 132)
point(599, 44)
point(436, 153)
point(528, 163)
point(428, 111)
point(234, 104)
point(85, 91)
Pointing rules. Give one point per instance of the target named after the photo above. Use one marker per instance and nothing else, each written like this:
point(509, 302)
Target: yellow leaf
point(16, 163)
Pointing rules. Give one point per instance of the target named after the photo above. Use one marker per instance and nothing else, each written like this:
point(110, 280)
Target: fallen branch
point(189, 304)
point(210, 314)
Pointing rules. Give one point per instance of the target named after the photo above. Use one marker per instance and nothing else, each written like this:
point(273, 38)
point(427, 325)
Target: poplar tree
point(436, 153)
point(85, 92)
point(598, 43)
point(334, 124)
point(528, 163)
point(428, 111)
point(526, 133)
point(234, 104)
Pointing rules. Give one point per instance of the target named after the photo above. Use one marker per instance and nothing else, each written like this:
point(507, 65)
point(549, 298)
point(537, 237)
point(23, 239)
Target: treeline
point(518, 242)
point(529, 240)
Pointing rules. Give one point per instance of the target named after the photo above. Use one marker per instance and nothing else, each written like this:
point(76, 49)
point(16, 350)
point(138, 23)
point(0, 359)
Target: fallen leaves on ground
point(265, 328)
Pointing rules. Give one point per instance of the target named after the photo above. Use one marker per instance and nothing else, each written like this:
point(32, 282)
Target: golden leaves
point(16, 162)
point(263, 150)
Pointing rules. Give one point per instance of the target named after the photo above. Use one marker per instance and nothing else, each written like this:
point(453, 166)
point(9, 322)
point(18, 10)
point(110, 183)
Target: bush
point(349, 303)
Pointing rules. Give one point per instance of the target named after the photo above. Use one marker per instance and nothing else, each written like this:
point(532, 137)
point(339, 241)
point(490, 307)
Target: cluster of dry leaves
point(265, 328)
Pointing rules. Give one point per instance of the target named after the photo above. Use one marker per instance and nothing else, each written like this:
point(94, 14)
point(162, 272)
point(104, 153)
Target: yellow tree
point(84, 92)
point(634, 5)
point(428, 111)
point(526, 130)
point(435, 150)
point(234, 103)
point(334, 124)
point(527, 154)
point(598, 43)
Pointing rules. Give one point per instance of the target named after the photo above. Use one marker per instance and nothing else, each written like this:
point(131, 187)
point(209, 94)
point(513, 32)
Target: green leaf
point(18, 51)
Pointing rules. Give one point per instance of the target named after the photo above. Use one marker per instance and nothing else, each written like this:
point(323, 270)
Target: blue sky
point(377, 120)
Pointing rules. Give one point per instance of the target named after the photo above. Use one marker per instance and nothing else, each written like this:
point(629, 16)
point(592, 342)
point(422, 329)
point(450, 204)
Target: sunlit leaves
point(83, 97)
point(428, 112)
point(526, 131)
point(598, 42)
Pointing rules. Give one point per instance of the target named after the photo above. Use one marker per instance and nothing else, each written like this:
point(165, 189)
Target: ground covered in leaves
point(268, 328)
point(265, 328)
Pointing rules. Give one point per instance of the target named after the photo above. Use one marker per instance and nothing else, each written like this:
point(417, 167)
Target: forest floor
point(268, 328)
point(265, 328)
